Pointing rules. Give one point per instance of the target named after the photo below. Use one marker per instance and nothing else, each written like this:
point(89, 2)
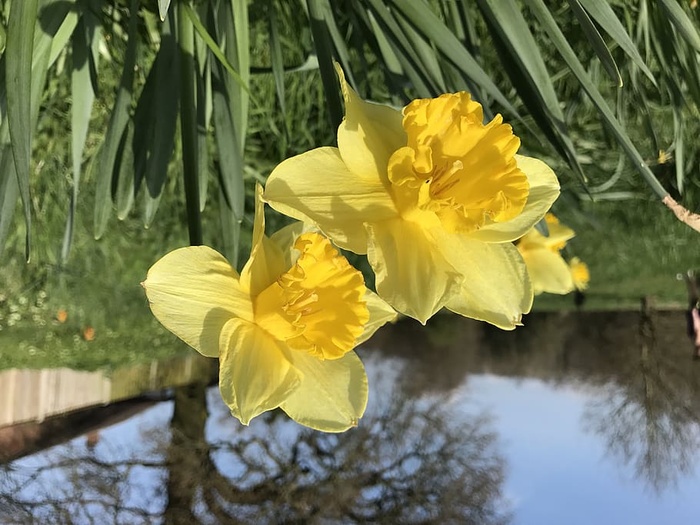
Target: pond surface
point(575, 418)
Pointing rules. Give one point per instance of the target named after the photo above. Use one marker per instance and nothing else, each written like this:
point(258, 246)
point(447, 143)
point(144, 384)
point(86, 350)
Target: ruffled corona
point(456, 167)
point(317, 306)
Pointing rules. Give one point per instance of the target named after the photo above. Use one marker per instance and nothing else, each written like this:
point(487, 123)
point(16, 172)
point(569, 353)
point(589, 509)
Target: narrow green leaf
point(596, 40)
point(116, 127)
point(276, 55)
point(9, 191)
point(426, 54)
point(434, 30)
point(201, 30)
point(18, 82)
point(188, 120)
point(680, 20)
point(230, 159)
point(402, 48)
point(164, 113)
point(523, 63)
point(86, 38)
point(679, 149)
point(163, 8)
point(238, 52)
point(560, 42)
point(323, 46)
point(203, 118)
point(602, 12)
point(124, 193)
point(230, 230)
point(63, 36)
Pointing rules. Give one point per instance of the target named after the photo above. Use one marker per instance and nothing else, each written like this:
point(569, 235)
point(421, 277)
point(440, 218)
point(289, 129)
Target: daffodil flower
point(548, 270)
point(435, 199)
point(283, 329)
point(579, 273)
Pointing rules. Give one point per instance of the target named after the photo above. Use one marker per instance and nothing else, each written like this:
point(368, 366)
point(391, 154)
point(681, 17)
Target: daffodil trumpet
point(284, 329)
point(433, 196)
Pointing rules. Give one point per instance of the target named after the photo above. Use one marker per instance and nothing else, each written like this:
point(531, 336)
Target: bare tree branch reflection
point(648, 417)
point(412, 461)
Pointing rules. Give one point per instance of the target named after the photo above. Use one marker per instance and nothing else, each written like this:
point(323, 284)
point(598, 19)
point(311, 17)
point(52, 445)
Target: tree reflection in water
point(410, 461)
point(649, 417)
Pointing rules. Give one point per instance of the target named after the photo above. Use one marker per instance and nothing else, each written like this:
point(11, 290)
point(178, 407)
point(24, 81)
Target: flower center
point(457, 167)
point(318, 305)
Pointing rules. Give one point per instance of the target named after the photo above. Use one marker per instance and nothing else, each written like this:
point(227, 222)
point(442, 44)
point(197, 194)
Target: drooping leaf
point(86, 39)
point(542, 13)
point(602, 12)
point(596, 40)
point(116, 127)
point(163, 8)
point(188, 120)
point(164, 115)
point(18, 82)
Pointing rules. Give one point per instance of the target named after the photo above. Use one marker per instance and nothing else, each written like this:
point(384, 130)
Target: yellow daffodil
point(579, 273)
point(283, 329)
point(434, 198)
point(548, 270)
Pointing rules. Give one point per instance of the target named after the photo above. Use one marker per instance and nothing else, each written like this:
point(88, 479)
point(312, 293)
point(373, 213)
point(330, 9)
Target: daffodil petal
point(369, 134)
point(193, 292)
point(333, 394)
point(544, 190)
point(255, 371)
point(267, 261)
point(548, 271)
point(317, 187)
point(412, 275)
point(496, 288)
point(380, 313)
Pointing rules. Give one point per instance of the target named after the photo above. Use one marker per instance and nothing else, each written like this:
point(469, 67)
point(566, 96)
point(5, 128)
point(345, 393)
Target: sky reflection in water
point(574, 419)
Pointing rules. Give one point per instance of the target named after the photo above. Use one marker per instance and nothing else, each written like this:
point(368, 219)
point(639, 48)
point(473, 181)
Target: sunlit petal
point(318, 187)
point(548, 271)
point(255, 372)
point(412, 275)
point(544, 190)
point(333, 395)
point(267, 261)
point(193, 292)
point(380, 313)
point(497, 289)
point(368, 135)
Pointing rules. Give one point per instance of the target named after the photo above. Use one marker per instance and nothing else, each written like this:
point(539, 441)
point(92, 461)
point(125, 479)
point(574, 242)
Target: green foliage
point(539, 63)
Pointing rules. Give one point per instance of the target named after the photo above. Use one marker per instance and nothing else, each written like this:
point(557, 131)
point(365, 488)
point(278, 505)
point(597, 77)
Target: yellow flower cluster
point(433, 196)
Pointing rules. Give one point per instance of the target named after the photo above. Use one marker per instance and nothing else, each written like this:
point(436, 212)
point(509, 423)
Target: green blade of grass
point(85, 39)
point(18, 82)
point(218, 53)
point(164, 114)
point(602, 12)
point(9, 191)
point(276, 55)
point(116, 127)
point(204, 111)
point(597, 42)
point(323, 46)
point(188, 121)
point(163, 6)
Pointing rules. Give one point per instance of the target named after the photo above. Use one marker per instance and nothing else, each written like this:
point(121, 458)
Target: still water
point(579, 418)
